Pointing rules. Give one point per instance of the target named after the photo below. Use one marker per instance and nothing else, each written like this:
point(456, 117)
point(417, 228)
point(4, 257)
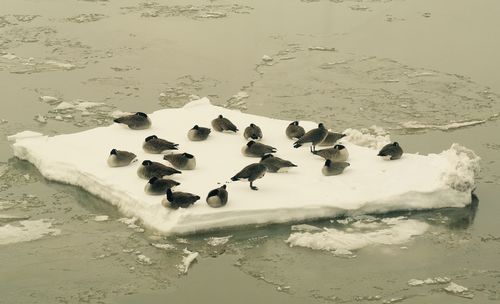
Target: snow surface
point(369, 185)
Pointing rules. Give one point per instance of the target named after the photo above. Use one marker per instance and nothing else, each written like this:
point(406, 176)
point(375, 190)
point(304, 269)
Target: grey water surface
point(413, 68)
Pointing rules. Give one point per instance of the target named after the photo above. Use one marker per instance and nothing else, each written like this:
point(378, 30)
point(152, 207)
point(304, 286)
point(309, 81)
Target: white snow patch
point(374, 137)
point(25, 231)
point(389, 232)
point(187, 260)
point(218, 241)
point(413, 182)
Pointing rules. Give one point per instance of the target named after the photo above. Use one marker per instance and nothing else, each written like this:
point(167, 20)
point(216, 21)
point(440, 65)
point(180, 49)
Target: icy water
point(425, 72)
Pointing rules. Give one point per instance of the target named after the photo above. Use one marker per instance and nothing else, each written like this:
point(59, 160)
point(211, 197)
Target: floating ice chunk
point(458, 290)
point(62, 65)
point(144, 260)
point(79, 105)
point(218, 241)
point(413, 182)
point(64, 106)
point(398, 232)
point(41, 119)
point(163, 246)
point(25, 231)
point(187, 260)
point(305, 227)
point(322, 48)
point(429, 281)
point(49, 99)
point(415, 282)
point(9, 56)
point(85, 105)
point(415, 125)
point(267, 58)
point(24, 135)
point(101, 218)
point(12, 217)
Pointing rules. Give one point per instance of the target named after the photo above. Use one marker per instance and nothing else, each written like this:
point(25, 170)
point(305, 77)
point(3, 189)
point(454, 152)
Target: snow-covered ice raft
point(369, 185)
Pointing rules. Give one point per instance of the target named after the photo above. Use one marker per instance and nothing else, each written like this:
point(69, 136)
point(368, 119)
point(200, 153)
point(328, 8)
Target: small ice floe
point(393, 300)
point(420, 74)
point(241, 95)
point(25, 231)
point(214, 15)
point(218, 241)
point(118, 113)
point(322, 48)
point(340, 242)
point(62, 65)
point(359, 7)
point(101, 218)
point(458, 290)
point(9, 56)
point(415, 125)
point(305, 228)
point(48, 99)
point(429, 281)
point(80, 105)
point(130, 222)
point(267, 58)
point(64, 106)
point(182, 241)
point(187, 260)
point(163, 246)
point(144, 260)
point(41, 118)
point(11, 217)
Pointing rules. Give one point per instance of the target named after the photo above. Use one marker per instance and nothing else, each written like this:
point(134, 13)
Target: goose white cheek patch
point(369, 185)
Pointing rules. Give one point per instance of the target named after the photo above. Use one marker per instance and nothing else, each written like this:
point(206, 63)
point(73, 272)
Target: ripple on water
point(349, 90)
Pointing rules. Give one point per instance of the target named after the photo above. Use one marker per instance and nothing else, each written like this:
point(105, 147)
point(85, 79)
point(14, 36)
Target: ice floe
point(370, 185)
point(187, 260)
point(25, 231)
point(387, 232)
point(218, 241)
